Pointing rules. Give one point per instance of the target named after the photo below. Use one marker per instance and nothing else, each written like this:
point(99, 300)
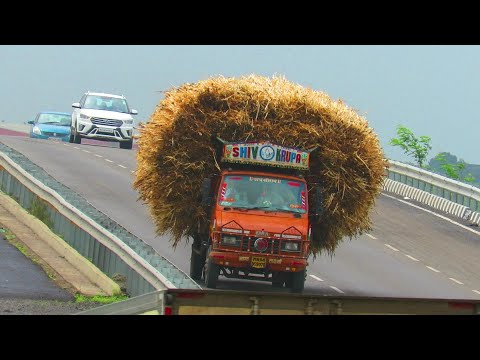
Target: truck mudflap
point(223, 302)
point(258, 261)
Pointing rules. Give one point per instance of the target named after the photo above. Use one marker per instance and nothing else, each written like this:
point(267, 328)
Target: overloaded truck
point(260, 174)
point(259, 219)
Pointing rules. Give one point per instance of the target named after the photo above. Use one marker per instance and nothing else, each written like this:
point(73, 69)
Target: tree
point(418, 147)
point(453, 169)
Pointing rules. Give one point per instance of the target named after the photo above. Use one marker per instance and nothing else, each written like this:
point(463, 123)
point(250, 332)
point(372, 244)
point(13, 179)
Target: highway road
point(410, 252)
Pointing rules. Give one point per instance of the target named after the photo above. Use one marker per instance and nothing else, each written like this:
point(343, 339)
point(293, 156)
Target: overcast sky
point(433, 90)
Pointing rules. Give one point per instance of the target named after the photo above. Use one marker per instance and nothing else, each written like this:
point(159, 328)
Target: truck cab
point(259, 221)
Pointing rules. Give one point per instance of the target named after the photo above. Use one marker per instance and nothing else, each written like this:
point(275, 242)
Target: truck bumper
point(258, 262)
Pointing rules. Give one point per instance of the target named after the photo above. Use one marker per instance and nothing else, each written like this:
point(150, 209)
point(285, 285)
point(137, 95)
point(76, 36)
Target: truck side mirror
point(206, 195)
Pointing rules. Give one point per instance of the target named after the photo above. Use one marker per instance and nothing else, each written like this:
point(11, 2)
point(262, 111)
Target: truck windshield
point(266, 193)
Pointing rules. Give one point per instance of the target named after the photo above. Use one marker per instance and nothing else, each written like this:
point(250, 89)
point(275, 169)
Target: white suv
point(102, 116)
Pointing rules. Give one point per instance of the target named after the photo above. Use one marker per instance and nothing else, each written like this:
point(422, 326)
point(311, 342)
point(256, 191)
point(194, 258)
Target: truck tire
point(126, 144)
point(277, 284)
point(197, 261)
point(278, 279)
point(298, 281)
point(211, 274)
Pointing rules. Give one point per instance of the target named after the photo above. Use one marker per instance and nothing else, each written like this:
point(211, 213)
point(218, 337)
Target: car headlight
point(291, 246)
point(231, 240)
point(128, 121)
point(84, 117)
point(36, 130)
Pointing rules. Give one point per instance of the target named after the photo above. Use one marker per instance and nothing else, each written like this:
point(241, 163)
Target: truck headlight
point(128, 122)
point(231, 240)
point(84, 117)
point(36, 130)
point(291, 246)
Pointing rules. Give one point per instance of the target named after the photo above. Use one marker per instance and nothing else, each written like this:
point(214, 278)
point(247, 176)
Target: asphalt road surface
point(410, 252)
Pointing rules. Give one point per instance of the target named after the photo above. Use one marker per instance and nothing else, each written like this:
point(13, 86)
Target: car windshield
point(106, 103)
point(266, 193)
point(54, 119)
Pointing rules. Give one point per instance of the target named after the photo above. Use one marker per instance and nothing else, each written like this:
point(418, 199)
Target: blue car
point(51, 125)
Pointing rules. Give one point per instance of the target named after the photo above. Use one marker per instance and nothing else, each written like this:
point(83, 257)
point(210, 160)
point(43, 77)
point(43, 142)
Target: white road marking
point(411, 257)
point(98, 155)
point(455, 280)
point(371, 236)
point(66, 144)
point(431, 212)
point(109, 160)
point(76, 148)
point(132, 171)
point(476, 291)
point(337, 289)
point(429, 267)
point(122, 166)
point(391, 247)
point(316, 277)
point(86, 151)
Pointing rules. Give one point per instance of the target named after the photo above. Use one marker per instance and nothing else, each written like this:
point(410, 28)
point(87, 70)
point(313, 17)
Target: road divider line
point(122, 166)
point(476, 291)
point(371, 236)
point(76, 148)
point(433, 269)
point(98, 155)
point(109, 160)
point(132, 171)
point(455, 280)
point(66, 144)
point(433, 213)
point(337, 289)
point(391, 247)
point(316, 277)
point(86, 151)
point(411, 257)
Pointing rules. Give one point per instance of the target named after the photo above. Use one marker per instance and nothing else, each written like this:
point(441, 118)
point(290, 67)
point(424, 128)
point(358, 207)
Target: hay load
point(176, 151)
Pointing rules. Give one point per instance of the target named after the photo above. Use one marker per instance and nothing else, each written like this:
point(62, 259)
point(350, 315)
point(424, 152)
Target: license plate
point(54, 139)
point(259, 262)
point(106, 130)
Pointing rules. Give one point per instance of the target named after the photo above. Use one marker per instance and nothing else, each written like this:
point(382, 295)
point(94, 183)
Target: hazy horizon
point(430, 89)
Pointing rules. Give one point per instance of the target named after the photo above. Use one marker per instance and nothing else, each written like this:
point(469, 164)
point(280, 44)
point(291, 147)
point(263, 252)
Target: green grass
point(100, 299)
point(39, 210)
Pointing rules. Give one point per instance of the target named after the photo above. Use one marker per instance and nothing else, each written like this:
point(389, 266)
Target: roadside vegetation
point(100, 299)
point(444, 163)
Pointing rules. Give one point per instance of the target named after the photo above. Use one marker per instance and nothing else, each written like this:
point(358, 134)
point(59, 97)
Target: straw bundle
point(175, 151)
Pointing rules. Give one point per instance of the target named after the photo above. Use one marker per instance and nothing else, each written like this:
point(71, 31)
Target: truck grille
point(249, 242)
point(107, 122)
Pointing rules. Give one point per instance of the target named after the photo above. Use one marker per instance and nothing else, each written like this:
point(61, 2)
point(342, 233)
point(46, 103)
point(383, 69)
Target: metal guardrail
point(105, 243)
point(438, 186)
point(147, 303)
point(221, 302)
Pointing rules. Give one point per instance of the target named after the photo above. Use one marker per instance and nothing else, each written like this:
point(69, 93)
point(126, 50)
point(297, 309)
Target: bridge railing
point(435, 190)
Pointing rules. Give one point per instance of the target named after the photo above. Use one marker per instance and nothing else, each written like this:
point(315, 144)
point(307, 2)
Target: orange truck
point(259, 220)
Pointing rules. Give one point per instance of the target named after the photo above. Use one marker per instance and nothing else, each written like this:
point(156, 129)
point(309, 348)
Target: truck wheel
point(70, 139)
point(196, 264)
point(298, 281)
point(126, 144)
point(211, 274)
point(277, 284)
point(278, 279)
